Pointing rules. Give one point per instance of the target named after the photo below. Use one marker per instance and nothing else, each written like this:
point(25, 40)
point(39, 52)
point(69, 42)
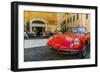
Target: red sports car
point(70, 43)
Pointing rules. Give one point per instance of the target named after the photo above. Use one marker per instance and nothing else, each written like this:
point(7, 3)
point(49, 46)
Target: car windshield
point(79, 30)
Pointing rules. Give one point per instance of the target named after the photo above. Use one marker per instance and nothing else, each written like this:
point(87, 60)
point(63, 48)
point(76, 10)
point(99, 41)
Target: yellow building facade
point(39, 22)
point(78, 20)
point(45, 20)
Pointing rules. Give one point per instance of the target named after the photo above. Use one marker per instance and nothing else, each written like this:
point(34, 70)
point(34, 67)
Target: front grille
point(69, 52)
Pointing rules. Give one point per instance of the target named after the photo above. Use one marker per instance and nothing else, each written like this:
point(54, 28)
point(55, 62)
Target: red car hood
point(64, 40)
point(68, 37)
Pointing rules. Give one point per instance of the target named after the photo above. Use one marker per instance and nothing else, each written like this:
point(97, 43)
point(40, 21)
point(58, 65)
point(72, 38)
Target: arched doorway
point(38, 27)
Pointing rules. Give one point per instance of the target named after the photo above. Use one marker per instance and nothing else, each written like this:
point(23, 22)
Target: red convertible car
point(70, 43)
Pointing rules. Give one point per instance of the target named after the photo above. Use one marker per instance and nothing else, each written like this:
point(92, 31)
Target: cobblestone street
point(36, 50)
point(34, 43)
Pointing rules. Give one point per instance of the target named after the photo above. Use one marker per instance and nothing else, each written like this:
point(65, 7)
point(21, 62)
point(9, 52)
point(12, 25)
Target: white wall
point(5, 35)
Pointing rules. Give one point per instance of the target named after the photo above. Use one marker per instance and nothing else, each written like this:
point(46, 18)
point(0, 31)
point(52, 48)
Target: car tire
point(84, 51)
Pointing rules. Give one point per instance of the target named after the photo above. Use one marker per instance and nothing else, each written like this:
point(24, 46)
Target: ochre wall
point(79, 21)
point(53, 19)
point(50, 18)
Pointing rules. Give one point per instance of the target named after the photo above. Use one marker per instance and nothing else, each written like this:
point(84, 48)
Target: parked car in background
point(31, 34)
point(26, 35)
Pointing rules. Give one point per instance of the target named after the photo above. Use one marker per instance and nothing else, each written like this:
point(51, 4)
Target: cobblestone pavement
point(36, 50)
point(35, 43)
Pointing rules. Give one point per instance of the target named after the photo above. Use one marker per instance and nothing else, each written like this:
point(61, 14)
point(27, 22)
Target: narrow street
point(30, 43)
point(36, 50)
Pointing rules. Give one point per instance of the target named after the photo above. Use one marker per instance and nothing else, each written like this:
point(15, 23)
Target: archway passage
point(39, 31)
point(38, 27)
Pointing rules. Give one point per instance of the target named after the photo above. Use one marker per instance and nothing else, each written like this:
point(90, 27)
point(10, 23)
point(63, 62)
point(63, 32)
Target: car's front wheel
point(84, 51)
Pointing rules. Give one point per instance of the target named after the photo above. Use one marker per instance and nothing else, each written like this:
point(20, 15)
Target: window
point(86, 16)
point(67, 20)
point(73, 18)
point(67, 13)
point(70, 19)
point(64, 22)
point(77, 16)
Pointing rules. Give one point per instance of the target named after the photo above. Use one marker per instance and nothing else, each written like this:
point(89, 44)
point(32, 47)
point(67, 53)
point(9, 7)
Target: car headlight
point(76, 41)
point(50, 38)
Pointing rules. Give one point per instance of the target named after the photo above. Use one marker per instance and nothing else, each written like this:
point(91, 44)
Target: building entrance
point(38, 27)
point(39, 31)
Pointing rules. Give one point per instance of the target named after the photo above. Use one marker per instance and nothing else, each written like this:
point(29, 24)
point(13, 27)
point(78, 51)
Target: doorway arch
point(37, 26)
